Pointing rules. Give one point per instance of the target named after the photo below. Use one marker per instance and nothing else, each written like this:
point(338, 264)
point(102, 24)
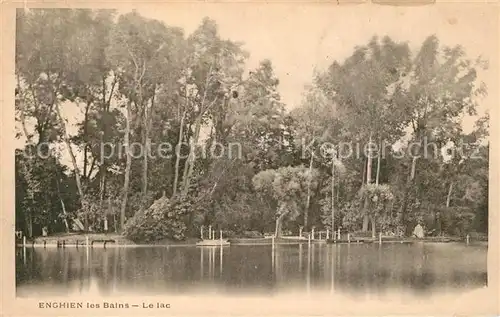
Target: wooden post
point(309, 240)
point(327, 234)
point(312, 232)
point(467, 238)
point(24, 241)
point(333, 195)
point(221, 237)
point(338, 233)
point(221, 257)
point(201, 262)
point(300, 231)
point(87, 241)
point(380, 237)
point(24, 251)
point(272, 254)
point(348, 238)
point(210, 232)
point(201, 232)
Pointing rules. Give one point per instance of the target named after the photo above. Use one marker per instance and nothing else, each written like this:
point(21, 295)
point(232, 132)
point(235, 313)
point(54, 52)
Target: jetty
point(212, 241)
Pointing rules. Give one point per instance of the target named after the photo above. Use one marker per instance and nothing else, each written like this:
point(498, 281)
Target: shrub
point(456, 221)
point(478, 236)
point(164, 219)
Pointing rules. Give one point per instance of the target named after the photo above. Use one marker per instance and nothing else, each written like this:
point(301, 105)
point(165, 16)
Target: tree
point(440, 87)
point(57, 69)
point(287, 187)
point(214, 67)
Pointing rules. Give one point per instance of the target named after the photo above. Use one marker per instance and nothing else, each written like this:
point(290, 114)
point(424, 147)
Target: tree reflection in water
point(344, 268)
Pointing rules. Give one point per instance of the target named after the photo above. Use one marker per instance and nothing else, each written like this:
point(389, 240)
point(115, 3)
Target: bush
point(478, 236)
point(456, 221)
point(164, 219)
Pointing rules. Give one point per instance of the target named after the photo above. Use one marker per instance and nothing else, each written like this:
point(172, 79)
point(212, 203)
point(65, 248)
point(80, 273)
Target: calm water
point(348, 269)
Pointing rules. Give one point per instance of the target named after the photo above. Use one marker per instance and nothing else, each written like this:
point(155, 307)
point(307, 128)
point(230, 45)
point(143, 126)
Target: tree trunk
point(333, 197)
point(413, 168)
point(365, 162)
point(369, 165)
point(279, 224)
point(27, 222)
point(111, 212)
point(75, 166)
point(145, 154)
point(188, 167)
point(103, 170)
point(377, 177)
point(308, 202)
point(62, 206)
point(148, 121)
point(127, 168)
point(338, 189)
point(448, 197)
point(64, 213)
point(178, 153)
point(372, 220)
point(85, 132)
point(30, 226)
point(406, 193)
point(366, 217)
point(102, 192)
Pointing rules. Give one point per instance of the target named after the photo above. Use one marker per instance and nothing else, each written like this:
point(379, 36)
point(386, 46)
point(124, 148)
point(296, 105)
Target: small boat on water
point(212, 243)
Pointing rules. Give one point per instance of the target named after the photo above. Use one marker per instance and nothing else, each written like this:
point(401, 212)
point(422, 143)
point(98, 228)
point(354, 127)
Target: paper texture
point(268, 223)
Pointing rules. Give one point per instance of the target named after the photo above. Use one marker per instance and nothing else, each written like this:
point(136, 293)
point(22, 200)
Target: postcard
point(332, 158)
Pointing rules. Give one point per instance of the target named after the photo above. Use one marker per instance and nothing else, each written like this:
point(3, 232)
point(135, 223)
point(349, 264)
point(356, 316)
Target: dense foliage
point(164, 219)
point(136, 81)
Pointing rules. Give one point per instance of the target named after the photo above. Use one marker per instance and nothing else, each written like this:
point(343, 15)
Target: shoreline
point(116, 240)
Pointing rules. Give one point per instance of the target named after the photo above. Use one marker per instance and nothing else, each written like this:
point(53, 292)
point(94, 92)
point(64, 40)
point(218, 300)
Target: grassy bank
point(81, 238)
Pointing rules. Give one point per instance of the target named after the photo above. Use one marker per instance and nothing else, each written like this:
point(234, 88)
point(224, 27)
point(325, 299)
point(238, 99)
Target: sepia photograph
point(330, 155)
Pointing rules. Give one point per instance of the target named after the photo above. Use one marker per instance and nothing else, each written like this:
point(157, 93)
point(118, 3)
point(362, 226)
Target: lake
point(351, 269)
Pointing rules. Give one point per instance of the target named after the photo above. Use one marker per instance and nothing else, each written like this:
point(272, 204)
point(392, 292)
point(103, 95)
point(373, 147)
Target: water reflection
point(355, 269)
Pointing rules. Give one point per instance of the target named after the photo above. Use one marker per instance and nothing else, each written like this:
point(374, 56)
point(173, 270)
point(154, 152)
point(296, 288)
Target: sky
point(300, 38)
